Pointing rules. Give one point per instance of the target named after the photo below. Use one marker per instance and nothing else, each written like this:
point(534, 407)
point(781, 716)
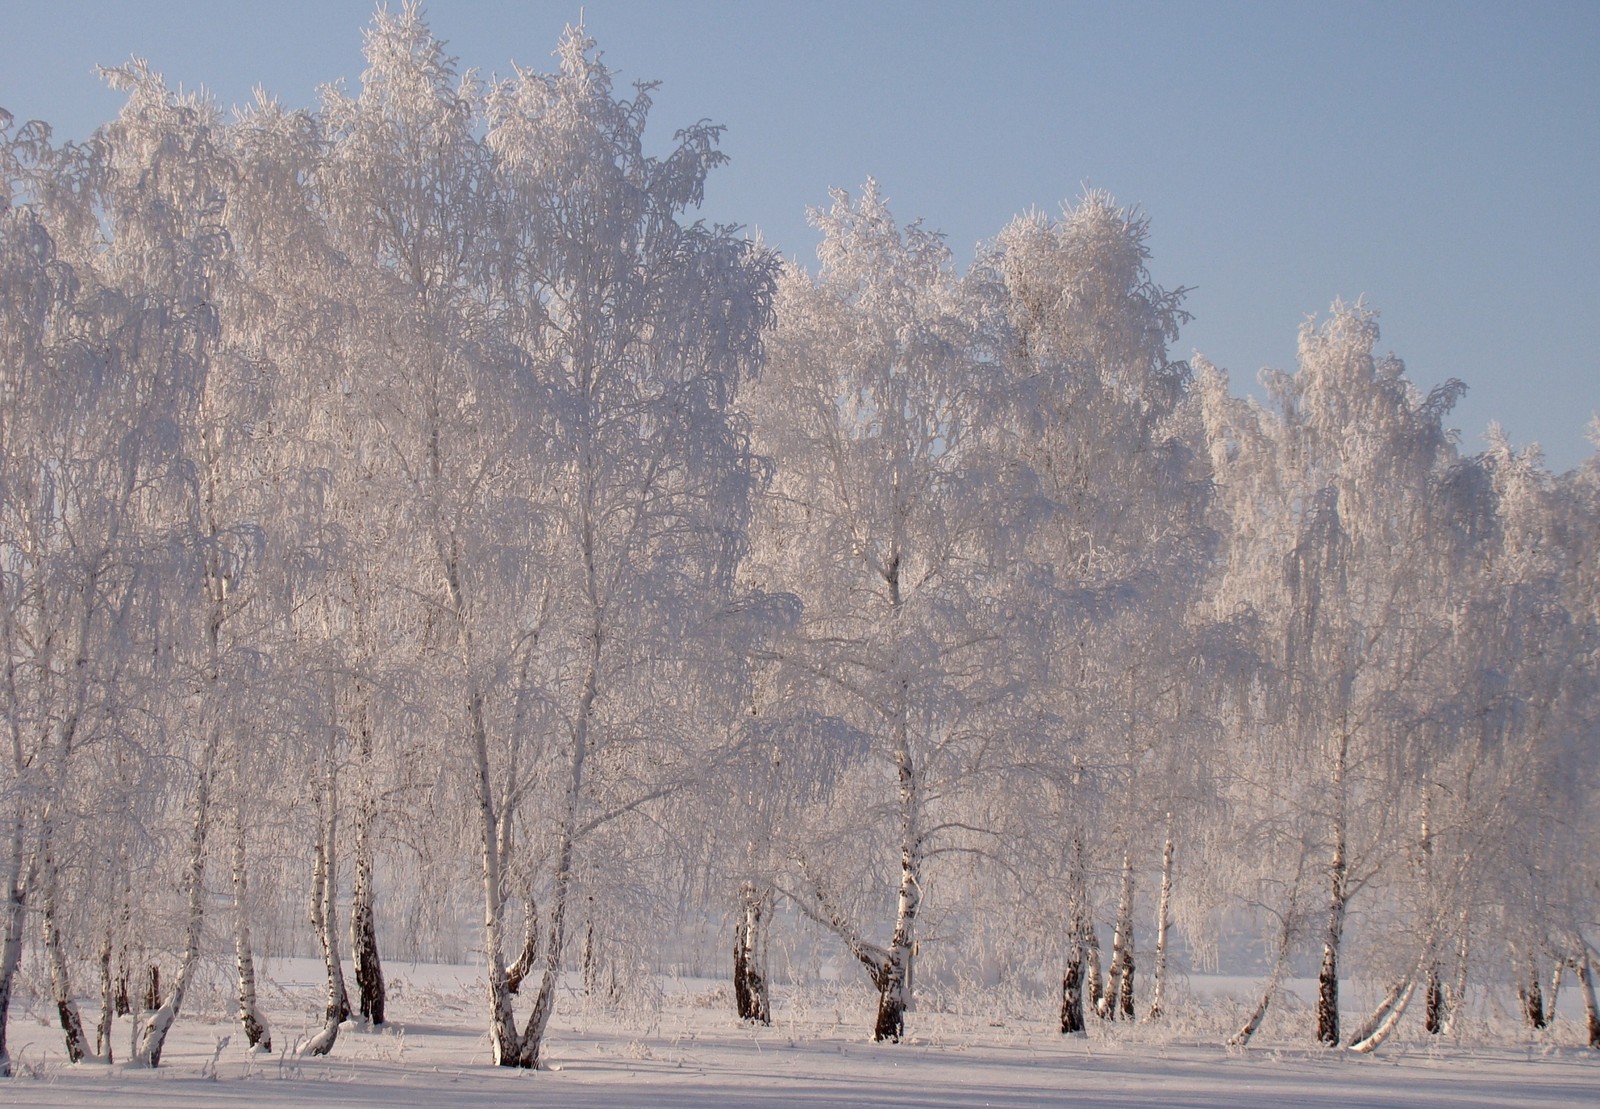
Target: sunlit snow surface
point(686, 1049)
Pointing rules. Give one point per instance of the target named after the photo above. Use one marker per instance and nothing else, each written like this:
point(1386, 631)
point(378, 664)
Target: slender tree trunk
point(124, 1001)
point(370, 992)
point(1252, 1024)
point(555, 938)
point(895, 997)
point(256, 1031)
point(1163, 921)
point(324, 903)
point(752, 997)
point(1286, 933)
point(1338, 897)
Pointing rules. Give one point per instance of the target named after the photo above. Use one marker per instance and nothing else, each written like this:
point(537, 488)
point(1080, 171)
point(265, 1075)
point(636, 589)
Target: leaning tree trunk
point(1252, 1024)
point(1400, 988)
point(752, 997)
point(1163, 922)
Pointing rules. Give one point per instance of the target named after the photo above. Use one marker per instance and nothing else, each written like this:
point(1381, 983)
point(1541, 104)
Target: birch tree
point(1326, 519)
point(885, 520)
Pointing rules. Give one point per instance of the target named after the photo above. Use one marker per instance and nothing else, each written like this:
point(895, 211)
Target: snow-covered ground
point(684, 1048)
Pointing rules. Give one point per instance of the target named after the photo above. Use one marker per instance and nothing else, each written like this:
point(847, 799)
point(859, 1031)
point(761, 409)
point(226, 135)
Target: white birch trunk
point(324, 902)
point(1163, 922)
point(256, 1030)
point(1338, 897)
point(895, 996)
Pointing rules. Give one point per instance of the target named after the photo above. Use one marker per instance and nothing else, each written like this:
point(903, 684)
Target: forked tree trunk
point(1163, 922)
point(751, 994)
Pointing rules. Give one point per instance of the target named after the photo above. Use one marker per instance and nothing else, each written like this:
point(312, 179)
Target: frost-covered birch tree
point(1326, 521)
point(886, 518)
point(1118, 546)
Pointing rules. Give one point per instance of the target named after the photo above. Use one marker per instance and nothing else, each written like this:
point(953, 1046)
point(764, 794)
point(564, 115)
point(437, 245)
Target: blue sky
point(1440, 159)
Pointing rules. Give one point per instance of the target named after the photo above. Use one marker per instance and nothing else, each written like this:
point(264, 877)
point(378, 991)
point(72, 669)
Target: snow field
point(685, 1048)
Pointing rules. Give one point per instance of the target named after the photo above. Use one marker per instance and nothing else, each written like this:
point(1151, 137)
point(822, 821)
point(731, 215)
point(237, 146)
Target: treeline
point(412, 486)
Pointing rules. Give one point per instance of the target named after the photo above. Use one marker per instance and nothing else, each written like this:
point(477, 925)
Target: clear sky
point(1440, 159)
